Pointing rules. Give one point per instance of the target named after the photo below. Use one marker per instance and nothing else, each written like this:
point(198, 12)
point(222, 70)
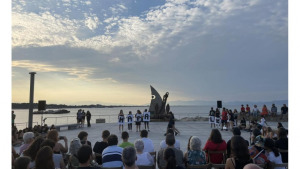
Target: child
point(121, 120)
point(138, 119)
point(129, 120)
point(146, 119)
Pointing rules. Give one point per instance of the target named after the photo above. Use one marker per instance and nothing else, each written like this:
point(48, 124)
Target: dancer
point(212, 117)
point(129, 120)
point(88, 118)
point(138, 119)
point(79, 118)
point(231, 119)
point(83, 118)
point(224, 119)
point(146, 119)
point(217, 119)
point(121, 120)
point(172, 123)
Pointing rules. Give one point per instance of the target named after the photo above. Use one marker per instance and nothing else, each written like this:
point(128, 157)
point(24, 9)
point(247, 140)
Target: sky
point(111, 51)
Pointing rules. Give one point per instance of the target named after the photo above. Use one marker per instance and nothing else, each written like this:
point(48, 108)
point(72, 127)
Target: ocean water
point(110, 114)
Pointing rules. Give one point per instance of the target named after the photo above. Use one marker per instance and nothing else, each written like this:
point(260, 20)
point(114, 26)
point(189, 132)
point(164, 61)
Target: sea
point(110, 114)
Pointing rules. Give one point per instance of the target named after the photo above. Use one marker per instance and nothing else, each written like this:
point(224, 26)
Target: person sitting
point(33, 149)
point(28, 139)
point(163, 144)
point(169, 156)
point(283, 143)
point(236, 132)
point(85, 157)
point(170, 140)
point(74, 147)
point(239, 154)
point(272, 152)
point(129, 157)
point(57, 158)
point(143, 158)
point(83, 138)
point(58, 148)
point(195, 156)
point(44, 158)
point(100, 146)
point(112, 155)
point(148, 144)
point(256, 132)
point(125, 143)
point(215, 143)
point(270, 134)
point(257, 152)
point(242, 124)
point(22, 163)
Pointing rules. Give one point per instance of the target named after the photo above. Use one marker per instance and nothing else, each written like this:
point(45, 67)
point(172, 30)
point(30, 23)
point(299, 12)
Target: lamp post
point(31, 99)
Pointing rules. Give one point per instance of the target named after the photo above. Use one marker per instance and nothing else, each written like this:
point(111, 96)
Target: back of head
point(84, 153)
point(82, 135)
point(48, 142)
point(144, 133)
point(112, 140)
point(170, 130)
point(170, 139)
point(252, 166)
point(282, 133)
point(53, 135)
point(195, 143)
point(239, 148)
point(74, 146)
point(44, 158)
point(34, 148)
point(139, 145)
point(129, 156)
point(270, 144)
point(256, 132)
point(236, 131)
point(105, 134)
point(169, 156)
point(22, 162)
point(28, 137)
point(125, 135)
point(215, 136)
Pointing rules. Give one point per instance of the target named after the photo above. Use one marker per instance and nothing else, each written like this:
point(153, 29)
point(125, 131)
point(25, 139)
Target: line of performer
point(138, 118)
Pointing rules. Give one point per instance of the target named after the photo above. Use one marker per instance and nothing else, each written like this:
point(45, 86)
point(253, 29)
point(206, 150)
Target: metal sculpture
point(158, 105)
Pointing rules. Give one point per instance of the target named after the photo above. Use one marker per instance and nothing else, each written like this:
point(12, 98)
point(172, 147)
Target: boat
point(60, 111)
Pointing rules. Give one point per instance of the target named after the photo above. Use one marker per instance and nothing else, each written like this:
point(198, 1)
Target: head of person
point(265, 105)
point(145, 110)
point(247, 105)
point(34, 148)
point(48, 142)
point(284, 105)
point(282, 133)
point(53, 135)
point(130, 112)
point(139, 145)
point(83, 135)
point(170, 139)
point(139, 112)
point(236, 131)
point(211, 108)
point(195, 143)
point(105, 134)
point(215, 136)
point(170, 130)
point(256, 132)
point(269, 129)
point(255, 105)
point(279, 125)
point(28, 137)
point(224, 109)
point(252, 166)
point(273, 105)
point(74, 146)
point(129, 156)
point(169, 156)
point(22, 162)
point(270, 145)
point(84, 154)
point(44, 158)
point(242, 105)
point(239, 148)
point(121, 112)
point(144, 134)
point(112, 140)
point(125, 135)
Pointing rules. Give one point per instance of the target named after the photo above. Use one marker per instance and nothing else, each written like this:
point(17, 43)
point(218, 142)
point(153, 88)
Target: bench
point(68, 126)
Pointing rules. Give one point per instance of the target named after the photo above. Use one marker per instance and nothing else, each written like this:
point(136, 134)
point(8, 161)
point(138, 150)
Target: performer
point(79, 118)
point(129, 120)
point(217, 118)
point(212, 115)
point(83, 118)
point(121, 120)
point(138, 119)
point(224, 119)
point(171, 124)
point(88, 118)
point(146, 119)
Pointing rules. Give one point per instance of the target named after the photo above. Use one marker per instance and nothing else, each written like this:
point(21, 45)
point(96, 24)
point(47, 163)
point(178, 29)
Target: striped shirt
point(112, 156)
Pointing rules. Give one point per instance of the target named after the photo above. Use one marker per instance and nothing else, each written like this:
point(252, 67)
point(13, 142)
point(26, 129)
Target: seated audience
point(129, 157)
point(270, 134)
point(74, 147)
point(148, 144)
point(143, 158)
point(100, 146)
point(195, 156)
point(22, 163)
point(282, 143)
point(44, 158)
point(57, 158)
point(83, 138)
point(169, 156)
point(256, 132)
point(58, 148)
point(239, 154)
point(125, 143)
point(257, 152)
point(33, 149)
point(236, 132)
point(215, 143)
point(85, 157)
point(272, 152)
point(163, 144)
point(112, 155)
point(28, 139)
point(170, 140)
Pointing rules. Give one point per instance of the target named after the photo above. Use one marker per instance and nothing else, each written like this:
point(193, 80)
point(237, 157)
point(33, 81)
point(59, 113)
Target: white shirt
point(146, 116)
point(262, 121)
point(56, 159)
point(138, 117)
point(277, 160)
point(163, 144)
point(128, 119)
point(144, 159)
point(148, 145)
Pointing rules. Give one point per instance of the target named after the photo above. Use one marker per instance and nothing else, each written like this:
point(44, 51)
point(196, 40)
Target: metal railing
point(25, 124)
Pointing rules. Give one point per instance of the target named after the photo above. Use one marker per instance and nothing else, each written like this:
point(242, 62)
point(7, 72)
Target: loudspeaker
point(219, 104)
point(42, 105)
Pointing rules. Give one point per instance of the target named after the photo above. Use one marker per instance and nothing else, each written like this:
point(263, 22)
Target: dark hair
point(282, 133)
point(239, 149)
point(188, 145)
point(125, 135)
point(169, 156)
point(34, 148)
point(170, 139)
point(112, 140)
point(256, 132)
point(269, 143)
point(144, 133)
point(84, 153)
point(236, 131)
point(82, 134)
point(48, 142)
point(279, 125)
point(22, 162)
point(129, 156)
point(44, 158)
point(105, 134)
point(170, 130)
point(215, 136)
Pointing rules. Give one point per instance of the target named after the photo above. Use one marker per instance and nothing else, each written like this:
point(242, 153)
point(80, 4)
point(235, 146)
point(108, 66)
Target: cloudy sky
point(111, 51)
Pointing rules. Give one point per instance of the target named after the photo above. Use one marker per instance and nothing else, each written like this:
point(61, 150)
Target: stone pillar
point(31, 99)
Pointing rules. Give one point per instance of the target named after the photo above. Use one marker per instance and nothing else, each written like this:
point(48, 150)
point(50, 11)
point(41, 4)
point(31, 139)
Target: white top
point(255, 110)
point(146, 116)
point(144, 159)
point(148, 145)
point(56, 159)
point(138, 117)
point(262, 121)
point(163, 144)
point(129, 120)
point(276, 160)
point(121, 119)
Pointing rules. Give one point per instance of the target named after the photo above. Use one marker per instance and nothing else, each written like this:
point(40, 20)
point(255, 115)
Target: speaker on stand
point(219, 104)
point(42, 107)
